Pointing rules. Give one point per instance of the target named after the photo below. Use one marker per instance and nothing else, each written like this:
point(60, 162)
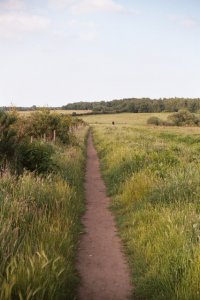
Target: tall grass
point(39, 229)
point(153, 176)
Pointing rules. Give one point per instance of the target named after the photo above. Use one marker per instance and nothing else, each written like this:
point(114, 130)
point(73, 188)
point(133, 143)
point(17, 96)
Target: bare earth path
point(101, 263)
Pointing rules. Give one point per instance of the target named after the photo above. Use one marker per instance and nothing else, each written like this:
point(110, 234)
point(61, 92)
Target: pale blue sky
point(59, 51)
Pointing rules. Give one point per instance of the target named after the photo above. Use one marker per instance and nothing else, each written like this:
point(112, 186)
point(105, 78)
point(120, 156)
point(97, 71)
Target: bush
point(184, 118)
point(44, 123)
point(155, 121)
point(181, 118)
point(7, 138)
point(17, 154)
point(35, 157)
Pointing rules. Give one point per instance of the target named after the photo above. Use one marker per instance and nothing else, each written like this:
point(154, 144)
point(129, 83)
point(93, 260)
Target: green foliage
point(37, 226)
point(156, 204)
point(155, 121)
point(40, 216)
point(7, 137)
point(184, 118)
point(16, 132)
point(180, 118)
point(44, 123)
point(35, 157)
point(120, 171)
point(135, 105)
point(40, 227)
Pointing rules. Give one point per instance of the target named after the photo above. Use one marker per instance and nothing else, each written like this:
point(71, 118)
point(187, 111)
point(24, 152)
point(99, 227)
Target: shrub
point(155, 121)
point(17, 154)
point(35, 157)
point(180, 118)
point(44, 123)
point(7, 138)
point(184, 118)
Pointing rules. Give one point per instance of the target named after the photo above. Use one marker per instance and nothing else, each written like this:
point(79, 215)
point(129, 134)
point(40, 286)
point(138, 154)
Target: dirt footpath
point(101, 263)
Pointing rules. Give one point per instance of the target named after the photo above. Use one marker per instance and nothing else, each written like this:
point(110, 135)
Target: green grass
point(39, 229)
point(153, 176)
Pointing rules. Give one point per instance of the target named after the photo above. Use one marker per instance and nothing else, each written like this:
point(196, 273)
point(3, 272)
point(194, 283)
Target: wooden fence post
point(54, 136)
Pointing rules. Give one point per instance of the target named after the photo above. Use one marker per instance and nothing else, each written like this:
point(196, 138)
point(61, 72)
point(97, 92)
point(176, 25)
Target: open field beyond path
point(101, 263)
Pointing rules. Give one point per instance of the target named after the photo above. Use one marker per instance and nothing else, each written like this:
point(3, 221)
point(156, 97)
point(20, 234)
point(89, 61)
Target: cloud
point(88, 6)
point(88, 36)
point(12, 4)
point(173, 18)
point(83, 30)
point(17, 24)
point(75, 29)
point(184, 21)
point(189, 23)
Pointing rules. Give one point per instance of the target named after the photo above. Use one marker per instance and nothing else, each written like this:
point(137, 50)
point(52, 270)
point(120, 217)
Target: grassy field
point(153, 177)
point(40, 226)
point(122, 119)
point(65, 112)
point(136, 120)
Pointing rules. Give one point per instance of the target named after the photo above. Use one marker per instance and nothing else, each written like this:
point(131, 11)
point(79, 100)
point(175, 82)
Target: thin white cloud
point(15, 25)
point(83, 30)
point(186, 22)
point(12, 4)
point(174, 18)
point(189, 23)
point(88, 6)
point(75, 29)
point(88, 36)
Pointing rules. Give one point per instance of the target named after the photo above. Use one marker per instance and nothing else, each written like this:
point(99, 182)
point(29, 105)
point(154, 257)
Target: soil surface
point(101, 263)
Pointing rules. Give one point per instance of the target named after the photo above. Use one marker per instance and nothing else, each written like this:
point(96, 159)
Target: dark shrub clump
point(180, 118)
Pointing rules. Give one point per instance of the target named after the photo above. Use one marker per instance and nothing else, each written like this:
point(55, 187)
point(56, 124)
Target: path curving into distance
point(101, 263)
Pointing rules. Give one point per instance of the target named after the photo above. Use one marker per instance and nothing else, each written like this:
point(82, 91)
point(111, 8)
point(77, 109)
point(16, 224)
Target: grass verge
point(154, 182)
point(39, 229)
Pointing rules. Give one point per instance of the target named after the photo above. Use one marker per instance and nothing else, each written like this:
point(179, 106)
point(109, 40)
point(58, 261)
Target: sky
point(54, 52)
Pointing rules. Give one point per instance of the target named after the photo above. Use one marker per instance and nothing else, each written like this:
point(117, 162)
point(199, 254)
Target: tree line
point(26, 108)
point(135, 105)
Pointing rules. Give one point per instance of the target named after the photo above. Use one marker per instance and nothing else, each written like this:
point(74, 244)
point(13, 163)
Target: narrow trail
point(101, 263)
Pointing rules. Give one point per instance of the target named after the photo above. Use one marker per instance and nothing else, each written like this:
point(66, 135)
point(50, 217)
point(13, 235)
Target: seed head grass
point(40, 227)
point(153, 176)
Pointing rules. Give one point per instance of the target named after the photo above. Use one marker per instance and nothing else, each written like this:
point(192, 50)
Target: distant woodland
point(25, 108)
point(134, 105)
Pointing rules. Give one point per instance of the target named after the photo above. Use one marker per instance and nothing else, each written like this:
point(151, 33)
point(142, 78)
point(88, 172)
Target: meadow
point(60, 111)
point(153, 177)
point(40, 225)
